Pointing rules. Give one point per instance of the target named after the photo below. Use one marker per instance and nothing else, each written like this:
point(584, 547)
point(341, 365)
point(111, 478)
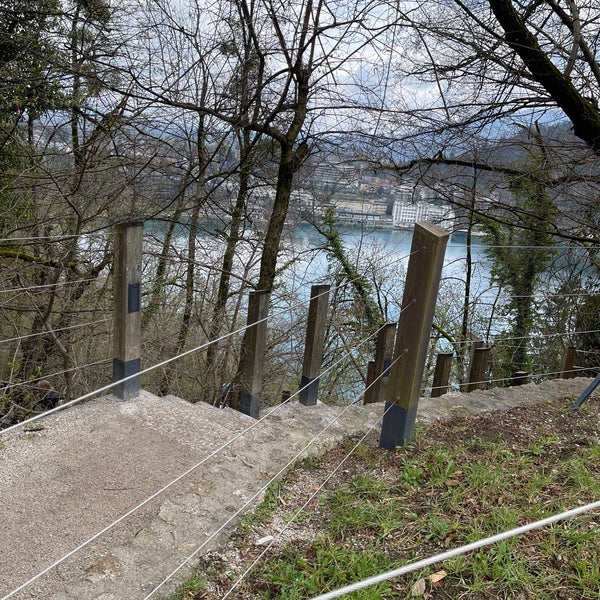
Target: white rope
point(426, 562)
point(45, 238)
point(110, 386)
point(139, 374)
point(590, 247)
point(318, 490)
point(152, 368)
point(529, 376)
point(47, 331)
point(29, 382)
point(46, 285)
point(534, 297)
point(532, 338)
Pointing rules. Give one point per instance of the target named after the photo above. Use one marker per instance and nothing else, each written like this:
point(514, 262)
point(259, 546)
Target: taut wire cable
point(432, 560)
point(164, 488)
point(263, 488)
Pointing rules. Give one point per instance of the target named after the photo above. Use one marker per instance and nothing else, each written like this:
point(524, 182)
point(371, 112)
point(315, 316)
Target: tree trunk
point(223, 290)
point(190, 276)
point(285, 177)
point(580, 111)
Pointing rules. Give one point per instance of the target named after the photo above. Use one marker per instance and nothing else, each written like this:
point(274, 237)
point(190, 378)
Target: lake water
point(380, 255)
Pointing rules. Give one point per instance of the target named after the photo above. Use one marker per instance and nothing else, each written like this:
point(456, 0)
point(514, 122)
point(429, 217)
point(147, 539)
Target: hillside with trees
point(205, 119)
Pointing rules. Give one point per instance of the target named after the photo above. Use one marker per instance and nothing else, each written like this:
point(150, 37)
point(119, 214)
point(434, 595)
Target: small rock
point(264, 541)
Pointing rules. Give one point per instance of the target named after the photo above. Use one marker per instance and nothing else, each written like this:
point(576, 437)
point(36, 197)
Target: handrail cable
point(523, 337)
point(333, 288)
point(164, 488)
point(158, 365)
point(46, 285)
point(47, 331)
point(590, 247)
point(313, 495)
point(50, 376)
point(113, 384)
point(273, 478)
point(443, 556)
point(492, 246)
point(43, 238)
point(551, 295)
point(300, 510)
point(529, 376)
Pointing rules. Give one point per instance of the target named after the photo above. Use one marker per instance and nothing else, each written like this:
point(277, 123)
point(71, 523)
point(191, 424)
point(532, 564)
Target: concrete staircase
point(91, 464)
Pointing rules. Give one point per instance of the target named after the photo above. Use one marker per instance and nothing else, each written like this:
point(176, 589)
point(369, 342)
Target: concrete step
point(230, 418)
point(91, 464)
point(206, 427)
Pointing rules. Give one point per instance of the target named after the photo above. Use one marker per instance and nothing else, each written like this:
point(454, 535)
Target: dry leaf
point(436, 578)
point(418, 588)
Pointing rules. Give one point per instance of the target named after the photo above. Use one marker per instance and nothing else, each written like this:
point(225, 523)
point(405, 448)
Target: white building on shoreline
point(407, 213)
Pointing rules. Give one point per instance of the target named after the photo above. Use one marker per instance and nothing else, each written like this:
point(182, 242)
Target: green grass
point(189, 589)
point(297, 575)
point(456, 483)
point(264, 511)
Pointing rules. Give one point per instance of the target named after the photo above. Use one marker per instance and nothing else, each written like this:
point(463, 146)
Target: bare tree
point(55, 255)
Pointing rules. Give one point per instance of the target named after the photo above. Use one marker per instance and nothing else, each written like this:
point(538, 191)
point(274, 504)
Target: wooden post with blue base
point(414, 330)
point(253, 349)
point(127, 315)
point(313, 349)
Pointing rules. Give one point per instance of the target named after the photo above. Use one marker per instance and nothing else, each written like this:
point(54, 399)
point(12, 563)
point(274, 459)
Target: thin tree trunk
point(224, 287)
point(190, 277)
point(285, 179)
point(160, 279)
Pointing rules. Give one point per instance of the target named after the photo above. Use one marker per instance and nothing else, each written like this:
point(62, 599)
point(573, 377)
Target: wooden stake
point(478, 368)
point(519, 378)
point(380, 375)
point(414, 330)
point(441, 375)
point(313, 349)
point(568, 370)
point(253, 349)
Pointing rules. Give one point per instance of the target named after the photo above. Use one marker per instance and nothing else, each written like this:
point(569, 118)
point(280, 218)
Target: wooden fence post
point(253, 350)
point(479, 363)
point(127, 314)
point(519, 378)
point(414, 330)
point(368, 395)
point(567, 370)
point(378, 374)
point(313, 349)
point(441, 375)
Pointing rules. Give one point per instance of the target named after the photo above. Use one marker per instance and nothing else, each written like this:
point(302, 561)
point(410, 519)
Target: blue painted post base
point(121, 369)
point(250, 404)
point(309, 390)
point(398, 426)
